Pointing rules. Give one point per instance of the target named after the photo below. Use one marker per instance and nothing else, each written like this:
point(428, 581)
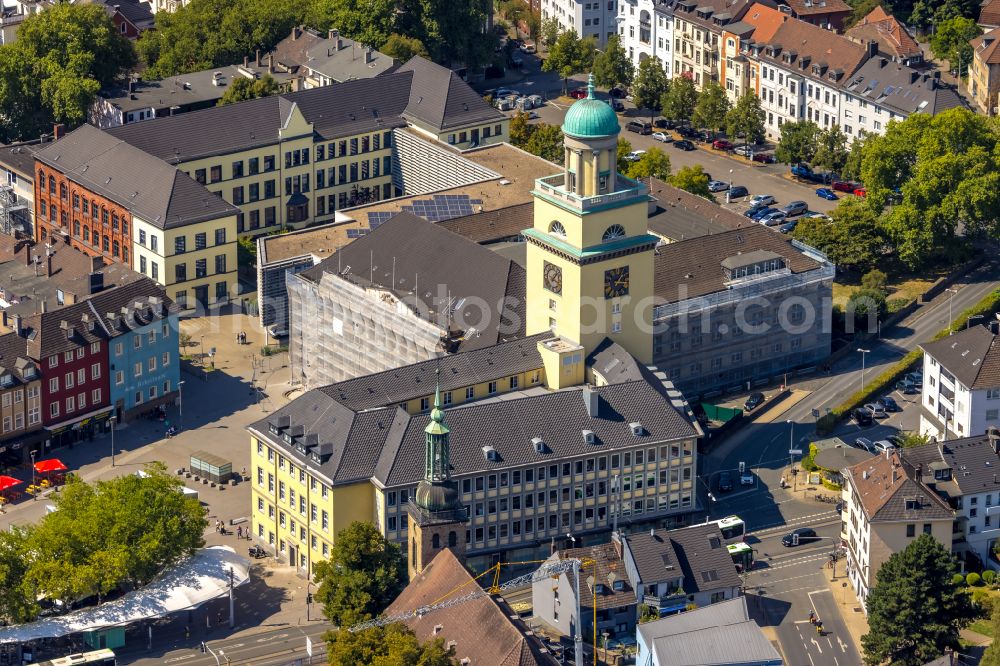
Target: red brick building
point(66, 210)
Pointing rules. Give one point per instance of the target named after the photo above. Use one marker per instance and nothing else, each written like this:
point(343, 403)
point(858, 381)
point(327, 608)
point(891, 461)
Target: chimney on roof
point(872, 49)
point(57, 131)
point(246, 61)
point(270, 63)
point(882, 62)
point(17, 325)
point(591, 401)
point(27, 254)
point(369, 56)
point(258, 57)
point(616, 543)
point(48, 265)
point(295, 33)
point(994, 436)
point(96, 263)
point(914, 75)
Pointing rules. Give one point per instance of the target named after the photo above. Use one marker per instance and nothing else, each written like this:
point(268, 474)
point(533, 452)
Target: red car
point(763, 158)
point(845, 186)
point(722, 144)
point(861, 192)
point(579, 93)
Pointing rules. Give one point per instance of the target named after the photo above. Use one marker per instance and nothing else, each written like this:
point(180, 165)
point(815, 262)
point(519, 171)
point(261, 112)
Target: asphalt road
point(269, 648)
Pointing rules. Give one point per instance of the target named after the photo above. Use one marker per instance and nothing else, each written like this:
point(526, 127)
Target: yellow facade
point(590, 260)
point(462, 394)
point(297, 511)
point(209, 245)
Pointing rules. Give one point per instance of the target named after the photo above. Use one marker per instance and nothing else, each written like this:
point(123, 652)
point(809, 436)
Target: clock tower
point(589, 255)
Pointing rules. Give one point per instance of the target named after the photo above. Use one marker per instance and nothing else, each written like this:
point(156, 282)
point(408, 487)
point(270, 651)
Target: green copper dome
point(591, 118)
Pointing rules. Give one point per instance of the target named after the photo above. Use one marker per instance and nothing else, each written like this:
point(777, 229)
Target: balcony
point(668, 601)
point(552, 187)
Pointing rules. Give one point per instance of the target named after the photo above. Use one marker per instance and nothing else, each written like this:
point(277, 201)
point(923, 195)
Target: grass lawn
point(906, 287)
point(983, 627)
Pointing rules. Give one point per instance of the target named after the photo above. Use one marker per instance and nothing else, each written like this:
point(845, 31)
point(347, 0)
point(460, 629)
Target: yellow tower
point(589, 256)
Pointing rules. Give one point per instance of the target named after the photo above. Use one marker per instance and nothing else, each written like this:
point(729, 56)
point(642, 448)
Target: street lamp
point(605, 635)
point(33, 453)
point(951, 301)
point(114, 422)
point(863, 352)
point(729, 191)
point(180, 401)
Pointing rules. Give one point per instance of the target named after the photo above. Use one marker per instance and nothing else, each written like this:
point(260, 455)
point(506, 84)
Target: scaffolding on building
point(12, 211)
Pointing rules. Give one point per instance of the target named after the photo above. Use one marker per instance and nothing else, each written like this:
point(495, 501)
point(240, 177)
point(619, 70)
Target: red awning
point(53, 465)
point(8, 482)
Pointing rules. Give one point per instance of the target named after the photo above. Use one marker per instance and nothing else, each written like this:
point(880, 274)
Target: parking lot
point(905, 420)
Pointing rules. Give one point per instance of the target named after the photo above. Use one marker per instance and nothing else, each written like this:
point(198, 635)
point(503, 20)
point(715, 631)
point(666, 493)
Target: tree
point(242, 89)
point(746, 118)
point(392, 645)
point(712, 107)
point(520, 129)
point(550, 31)
point(569, 55)
point(364, 574)
point(17, 603)
point(852, 165)
point(402, 48)
point(852, 239)
point(612, 66)
point(451, 31)
point(866, 304)
point(623, 148)
point(679, 102)
point(370, 22)
point(915, 611)
point(991, 657)
point(831, 149)
point(654, 162)
point(546, 141)
point(798, 142)
point(875, 280)
point(951, 41)
point(649, 85)
point(54, 70)
point(692, 179)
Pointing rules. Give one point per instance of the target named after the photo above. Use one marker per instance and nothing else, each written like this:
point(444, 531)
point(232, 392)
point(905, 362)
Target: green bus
point(742, 555)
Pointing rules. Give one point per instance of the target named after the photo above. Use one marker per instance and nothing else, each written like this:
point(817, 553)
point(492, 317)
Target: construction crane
point(547, 570)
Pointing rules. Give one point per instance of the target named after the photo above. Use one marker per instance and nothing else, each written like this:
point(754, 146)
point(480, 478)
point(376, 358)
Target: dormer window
point(618, 586)
point(600, 589)
point(942, 474)
point(911, 503)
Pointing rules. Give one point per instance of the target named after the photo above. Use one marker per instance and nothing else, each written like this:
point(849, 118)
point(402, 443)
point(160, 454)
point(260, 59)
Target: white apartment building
point(646, 30)
point(589, 19)
point(961, 391)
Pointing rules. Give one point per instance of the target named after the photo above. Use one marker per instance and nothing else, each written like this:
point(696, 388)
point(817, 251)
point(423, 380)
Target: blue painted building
point(143, 353)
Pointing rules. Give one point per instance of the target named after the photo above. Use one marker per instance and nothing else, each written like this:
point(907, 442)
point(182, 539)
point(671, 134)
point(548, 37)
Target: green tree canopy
point(17, 599)
point(623, 148)
point(712, 107)
point(649, 85)
point(653, 163)
point(546, 141)
point(680, 100)
point(241, 89)
point(569, 55)
point(915, 611)
point(402, 48)
point(853, 239)
point(798, 142)
point(392, 645)
point(54, 69)
point(991, 657)
point(831, 149)
point(364, 574)
point(612, 66)
point(368, 21)
point(746, 118)
point(550, 31)
point(951, 40)
point(692, 179)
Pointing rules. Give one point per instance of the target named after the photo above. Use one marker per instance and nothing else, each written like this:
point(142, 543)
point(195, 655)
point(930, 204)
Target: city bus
point(103, 657)
point(733, 528)
point(742, 556)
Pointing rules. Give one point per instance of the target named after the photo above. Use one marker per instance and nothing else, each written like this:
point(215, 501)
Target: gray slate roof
point(900, 88)
point(388, 443)
point(972, 355)
point(135, 12)
point(975, 467)
point(149, 187)
point(732, 611)
point(418, 90)
point(614, 364)
point(478, 366)
point(20, 158)
point(697, 553)
point(408, 252)
point(741, 643)
point(680, 215)
point(347, 62)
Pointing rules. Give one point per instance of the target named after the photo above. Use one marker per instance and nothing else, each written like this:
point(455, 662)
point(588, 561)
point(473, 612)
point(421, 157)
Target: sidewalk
point(850, 608)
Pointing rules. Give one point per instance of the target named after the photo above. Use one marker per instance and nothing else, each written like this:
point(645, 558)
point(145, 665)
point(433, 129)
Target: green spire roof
point(437, 425)
point(591, 118)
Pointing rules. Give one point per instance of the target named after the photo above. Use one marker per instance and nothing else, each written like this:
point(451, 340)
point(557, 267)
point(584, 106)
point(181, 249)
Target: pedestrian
point(239, 532)
point(237, 338)
point(218, 617)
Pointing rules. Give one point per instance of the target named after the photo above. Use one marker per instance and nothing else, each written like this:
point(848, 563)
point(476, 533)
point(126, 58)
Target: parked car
point(877, 410)
point(753, 401)
point(889, 404)
point(753, 210)
point(717, 186)
point(634, 156)
point(663, 123)
point(826, 193)
point(788, 227)
point(617, 93)
point(737, 191)
point(821, 216)
point(722, 144)
point(725, 481)
point(865, 444)
point(845, 186)
point(917, 378)
point(503, 92)
point(861, 192)
point(527, 48)
point(794, 208)
point(862, 416)
point(883, 445)
point(799, 536)
point(579, 93)
point(907, 387)
point(746, 478)
point(639, 127)
point(775, 219)
point(684, 144)
point(687, 131)
point(662, 137)
point(764, 158)
point(766, 210)
point(617, 105)
point(764, 199)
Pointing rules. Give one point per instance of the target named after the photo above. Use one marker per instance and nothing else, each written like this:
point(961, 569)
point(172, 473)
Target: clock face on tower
point(552, 278)
point(616, 282)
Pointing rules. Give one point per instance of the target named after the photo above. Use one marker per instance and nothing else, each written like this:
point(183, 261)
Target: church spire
point(437, 463)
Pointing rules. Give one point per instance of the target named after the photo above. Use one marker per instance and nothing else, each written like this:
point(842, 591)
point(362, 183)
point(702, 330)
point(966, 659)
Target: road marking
point(180, 658)
point(775, 527)
point(803, 622)
point(843, 645)
point(816, 643)
point(811, 662)
point(836, 662)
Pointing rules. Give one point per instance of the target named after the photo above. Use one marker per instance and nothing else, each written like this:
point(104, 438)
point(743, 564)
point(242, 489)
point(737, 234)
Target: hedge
point(886, 381)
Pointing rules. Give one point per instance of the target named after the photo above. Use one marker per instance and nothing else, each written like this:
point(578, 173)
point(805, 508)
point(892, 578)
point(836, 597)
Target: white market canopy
point(202, 577)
